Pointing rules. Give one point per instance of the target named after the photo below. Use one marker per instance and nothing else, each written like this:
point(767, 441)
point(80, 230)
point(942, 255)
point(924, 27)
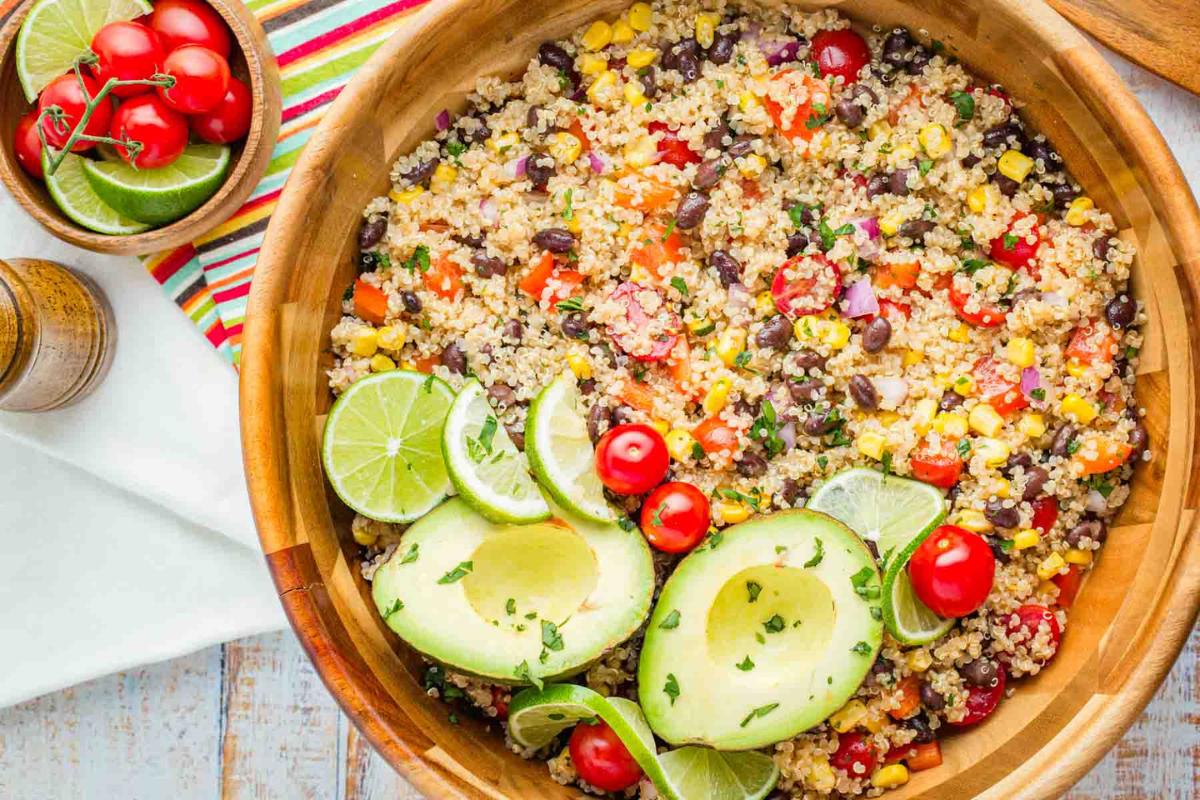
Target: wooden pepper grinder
point(56, 335)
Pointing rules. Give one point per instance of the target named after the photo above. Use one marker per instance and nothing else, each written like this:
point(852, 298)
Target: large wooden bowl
point(1136, 608)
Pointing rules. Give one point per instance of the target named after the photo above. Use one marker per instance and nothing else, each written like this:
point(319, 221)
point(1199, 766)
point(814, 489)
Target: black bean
point(970, 160)
point(1100, 247)
point(556, 240)
point(587, 386)
point(709, 173)
point(689, 67)
point(930, 698)
point(622, 415)
point(723, 46)
point(820, 422)
point(454, 359)
point(531, 117)
point(751, 465)
point(552, 55)
point(515, 434)
point(501, 394)
point(997, 548)
point(879, 183)
point(808, 360)
point(1022, 460)
point(917, 228)
point(952, 495)
point(488, 266)
point(366, 262)
point(691, 210)
point(472, 240)
point(649, 79)
point(796, 242)
point(898, 181)
point(877, 334)
point(919, 61)
point(861, 90)
point(789, 491)
point(576, 325)
point(1062, 441)
point(1035, 480)
point(806, 391)
point(475, 134)
point(849, 113)
point(895, 46)
point(599, 417)
point(513, 330)
point(421, 173)
point(1121, 311)
point(1041, 149)
point(1093, 529)
point(742, 145)
point(1025, 295)
point(539, 168)
point(775, 333)
point(1063, 193)
point(864, 392)
point(1007, 186)
point(1001, 135)
point(371, 232)
point(1139, 440)
point(950, 400)
point(745, 407)
point(715, 139)
point(1001, 515)
point(920, 726)
point(729, 271)
point(980, 673)
point(412, 303)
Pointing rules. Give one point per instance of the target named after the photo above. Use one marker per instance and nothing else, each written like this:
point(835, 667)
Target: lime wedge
point(560, 451)
point(56, 32)
point(536, 716)
point(74, 195)
point(162, 195)
point(382, 447)
point(908, 619)
point(487, 469)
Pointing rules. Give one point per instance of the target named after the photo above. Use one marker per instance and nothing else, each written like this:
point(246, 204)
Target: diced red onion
point(739, 297)
point(597, 162)
point(892, 391)
point(442, 120)
point(1054, 299)
point(488, 210)
point(787, 435)
point(516, 167)
point(751, 33)
point(1030, 380)
point(780, 397)
point(1096, 502)
point(870, 228)
point(779, 51)
point(860, 299)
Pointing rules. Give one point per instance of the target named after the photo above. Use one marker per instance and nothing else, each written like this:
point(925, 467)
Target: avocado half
point(514, 604)
point(763, 635)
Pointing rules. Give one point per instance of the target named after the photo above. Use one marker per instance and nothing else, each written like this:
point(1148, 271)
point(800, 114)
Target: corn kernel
point(1077, 556)
point(1047, 589)
point(748, 100)
point(639, 274)
point(409, 365)
point(392, 337)
point(591, 64)
point(964, 386)
point(994, 451)
point(890, 777)
point(977, 199)
point(634, 94)
point(935, 140)
point(848, 717)
point(574, 224)
point(1015, 165)
point(406, 196)
point(752, 165)
point(1077, 212)
point(870, 444)
point(923, 414)
point(381, 363)
point(985, 420)
point(731, 512)
point(579, 365)
point(959, 333)
point(364, 342)
point(717, 397)
point(1076, 368)
point(1025, 539)
point(836, 334)
point(820, 775)
point(443, 178)
point(1032, 426)
point(875, 720)
point(878, 130)
point(1019, 351)
point(918, 660)
point(679, 444)
point(601, 90)
point(641, 152)
point(942, 380)
point(730, 344)
point(364, 536)
point(699, 327)
point(641, 58)
point(660, 425)
point(999, 487)
point(597, 36)
point(764, 304)
point(1052, 566)
point(912, 358)
point(903, 154)
point(973, 520)
point(889, 223)
point(1084, 411)
point(706, 28)
point(888, 418)
point(622, 31)
point(640, 16)
point(952, 426)
point(503, 142)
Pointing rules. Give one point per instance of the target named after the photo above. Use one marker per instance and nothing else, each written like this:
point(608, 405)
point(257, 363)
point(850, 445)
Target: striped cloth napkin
point(318, 45)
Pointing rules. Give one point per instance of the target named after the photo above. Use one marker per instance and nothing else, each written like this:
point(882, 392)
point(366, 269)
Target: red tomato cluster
point(177, 62)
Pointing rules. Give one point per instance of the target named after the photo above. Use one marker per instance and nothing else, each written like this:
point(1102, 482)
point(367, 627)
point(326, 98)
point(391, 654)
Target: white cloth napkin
point(125, 529)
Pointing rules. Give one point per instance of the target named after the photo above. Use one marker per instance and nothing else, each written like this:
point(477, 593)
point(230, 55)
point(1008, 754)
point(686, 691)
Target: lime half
point(487, 469)
point(560, 451)
point(908, 619)
point(383, 445)
point(57, 32)
point(74, 195)
point(162, 195)
point(698, 773)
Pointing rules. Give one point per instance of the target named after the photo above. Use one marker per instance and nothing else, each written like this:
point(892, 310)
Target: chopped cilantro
point(1038, 394)
point(820, 117)
point(746, 665)
point(670, 621)
point(861, 648)
point(455, 148)
point(569, 305)
point(876, 613)
point(775, 624)
point(964, 103)
point(626, 524)
point(972, 265)
point(753, 588)
point(761, 711)
point(1073, 447)
point(1010, 241)
point(522, 672)
point(569, 211)
point(923, 167)
point(671, 687)
point(393, 608)
point(411, 555)
point(680, 285)
point(458, 573)
point(670, 229)
point(697, 451)
point(419, 260)
point(818, 554)
point(963, 447)
point(859, 581)
point(551, 638)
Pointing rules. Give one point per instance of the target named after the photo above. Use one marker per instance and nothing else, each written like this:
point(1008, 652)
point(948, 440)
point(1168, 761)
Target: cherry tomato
point(1045, 513)
point(842, 52)
point(127, 51)
point(674, 151)
point(995, 389)
point(818, 95)
point(939, 466)
point(952, 571)
point(982, 701)
point(661, 325)
point(27, 145)
point(806, 285)
point(1023, 625)
point(715, 437)
point(229, 121)
point(601, 758)
point(181, 22)
point(66, 93)
point(500, 701)
point(201, 78)
point(854, 755)
point(632, 459)
point(162, 132)
point(675, 517)
point(1013, 250)
point(971, 308)
point(1068, 585)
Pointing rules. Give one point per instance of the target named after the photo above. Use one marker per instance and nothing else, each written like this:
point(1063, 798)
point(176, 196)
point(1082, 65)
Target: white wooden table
point(250, 719)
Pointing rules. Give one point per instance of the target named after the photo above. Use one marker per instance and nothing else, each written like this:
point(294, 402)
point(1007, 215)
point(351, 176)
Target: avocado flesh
point(810, 635)
point(593, 581)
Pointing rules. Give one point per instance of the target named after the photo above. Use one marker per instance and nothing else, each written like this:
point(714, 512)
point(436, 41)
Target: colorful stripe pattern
point(318, 45)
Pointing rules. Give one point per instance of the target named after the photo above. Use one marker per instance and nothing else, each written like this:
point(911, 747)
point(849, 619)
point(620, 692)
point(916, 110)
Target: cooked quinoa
point(623, 208)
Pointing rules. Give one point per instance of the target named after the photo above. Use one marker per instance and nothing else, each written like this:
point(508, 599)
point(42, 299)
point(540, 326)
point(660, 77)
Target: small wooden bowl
point(251, 61)
point(1134, 611)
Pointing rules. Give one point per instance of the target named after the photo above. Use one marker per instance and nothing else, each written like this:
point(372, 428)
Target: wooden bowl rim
point(1043, 776)
point(251, 163)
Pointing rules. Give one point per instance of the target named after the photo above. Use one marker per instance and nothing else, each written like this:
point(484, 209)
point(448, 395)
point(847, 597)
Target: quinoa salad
point(756, 259)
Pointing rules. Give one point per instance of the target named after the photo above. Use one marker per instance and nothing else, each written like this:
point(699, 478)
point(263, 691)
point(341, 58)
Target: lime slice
point(536, 716)
point(487, 469)
point(382, 447)
point(162, 195)
point(560, 451)
point(56, 32)
point(908, 619)
point(74, 195)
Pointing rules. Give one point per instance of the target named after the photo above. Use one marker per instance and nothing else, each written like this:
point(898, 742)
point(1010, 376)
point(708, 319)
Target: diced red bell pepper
point(370, 303)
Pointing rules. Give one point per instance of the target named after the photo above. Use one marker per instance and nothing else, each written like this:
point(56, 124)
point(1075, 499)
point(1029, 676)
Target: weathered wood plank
point(367, 775)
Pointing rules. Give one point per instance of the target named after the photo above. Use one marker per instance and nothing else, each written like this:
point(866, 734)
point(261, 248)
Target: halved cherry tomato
point(127, 51)
point(1068, 585)
point(841, 52)
point(903, 275)
point(499, 702)
point(1098, 454)
point(443, 278)
point(639, 321)
point(632, 459)
point(982, 701)
point(1093, 342)
point(674, 151)
point(201, 78)
point(995, 389)
point(1012, 250)
point(65, 93)
point(893, 312)
point(716, 437)
point(656, 247)
point(980, 314)
point(27, 145)
point(1045, 513)
point(181, 22)
point(1023, 625)
point(601, 759)
point(806, 285)
point(917, 756)
point(939, 466)
point(818, 95)
point(651, 195)
point(952, 571)
point(370, 303)
point(675, 517)
point(910, 698)
point(854, 755)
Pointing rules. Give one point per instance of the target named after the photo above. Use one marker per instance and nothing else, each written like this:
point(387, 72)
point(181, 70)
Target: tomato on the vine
point(27, 145)
point(230, 120)
point(841, 52)
point(952, 571)
point(181, 22)
point(674, 151)
point(127, 51)
point(982, 701)
point(632, 458)
point(675, 517)
point(601, 758)
point(1023, 625)
point(854, 755)
point(65, 92)
point(201, 78)
point(163, 133)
